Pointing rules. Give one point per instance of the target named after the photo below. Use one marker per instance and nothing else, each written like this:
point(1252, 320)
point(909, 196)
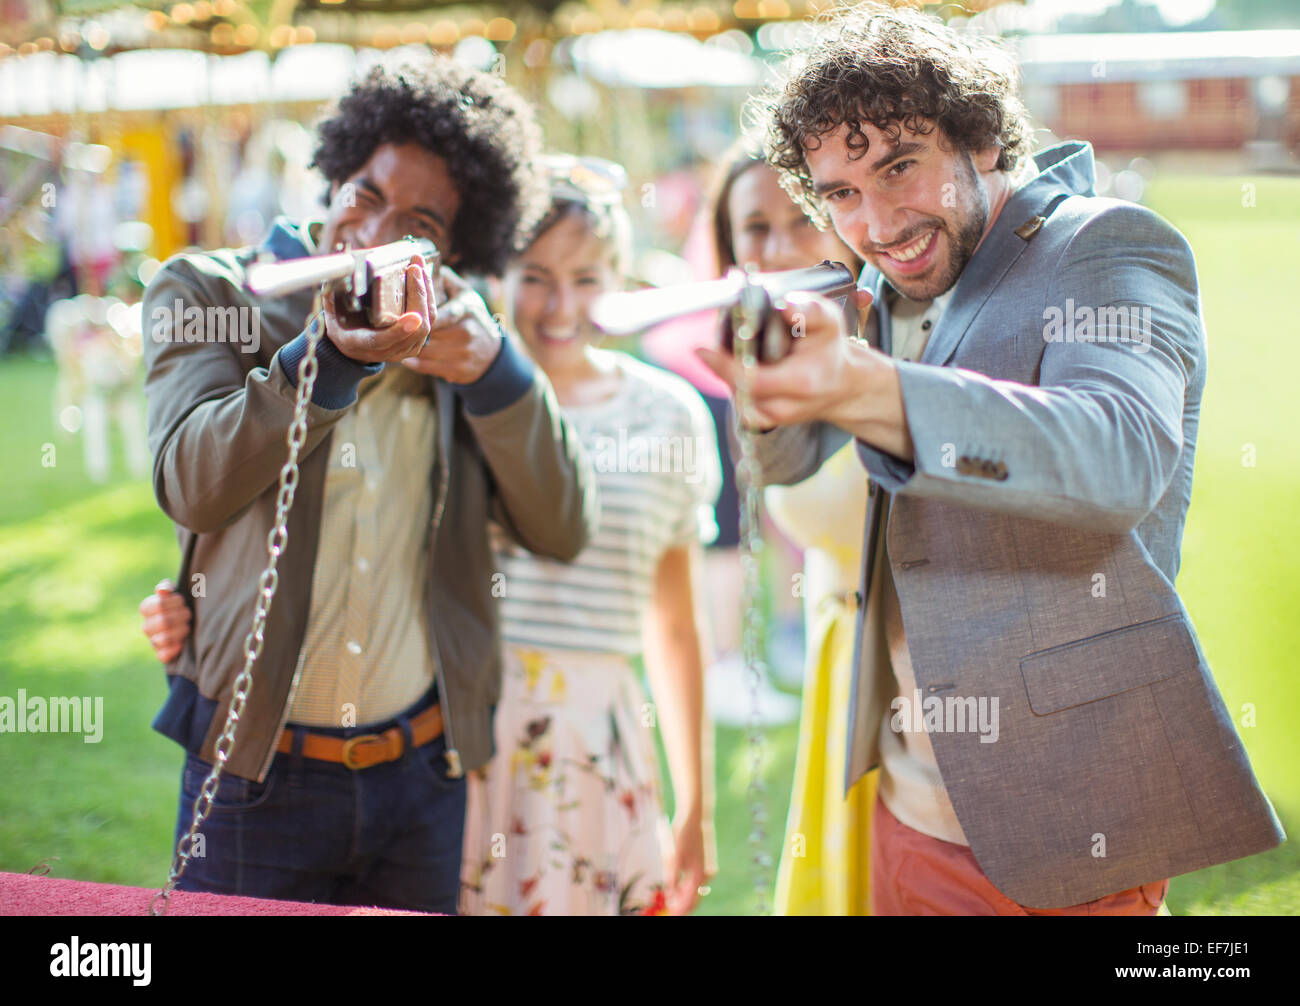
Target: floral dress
point(567, 818)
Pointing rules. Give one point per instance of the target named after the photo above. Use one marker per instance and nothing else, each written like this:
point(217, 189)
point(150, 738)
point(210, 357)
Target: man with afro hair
point(380, 665)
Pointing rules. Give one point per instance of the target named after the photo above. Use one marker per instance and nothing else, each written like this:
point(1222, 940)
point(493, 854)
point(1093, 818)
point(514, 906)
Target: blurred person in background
point(40, 274)
point(731, 698)
point(85, 217)
point(824, 857)
point(253, 199)
point(96, 344)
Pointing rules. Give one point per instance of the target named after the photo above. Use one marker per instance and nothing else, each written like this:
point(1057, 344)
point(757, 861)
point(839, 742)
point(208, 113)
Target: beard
point(963, 234)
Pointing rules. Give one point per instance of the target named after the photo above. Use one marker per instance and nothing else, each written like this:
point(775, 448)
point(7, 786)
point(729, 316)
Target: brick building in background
point(1170, 91)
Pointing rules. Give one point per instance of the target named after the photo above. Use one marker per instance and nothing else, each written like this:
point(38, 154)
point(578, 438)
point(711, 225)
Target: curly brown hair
point(892, 68)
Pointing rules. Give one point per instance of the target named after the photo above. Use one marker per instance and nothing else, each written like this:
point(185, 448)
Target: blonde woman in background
point(567, 818)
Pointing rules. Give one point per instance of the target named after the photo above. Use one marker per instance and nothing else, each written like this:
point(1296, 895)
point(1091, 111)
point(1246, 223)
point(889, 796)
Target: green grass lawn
point(75, 558)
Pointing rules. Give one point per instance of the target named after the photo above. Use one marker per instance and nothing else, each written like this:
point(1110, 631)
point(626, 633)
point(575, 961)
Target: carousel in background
point(204, 109)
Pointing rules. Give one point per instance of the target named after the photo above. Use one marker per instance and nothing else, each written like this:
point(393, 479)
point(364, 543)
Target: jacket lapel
point(982, 275)
point(876, 331)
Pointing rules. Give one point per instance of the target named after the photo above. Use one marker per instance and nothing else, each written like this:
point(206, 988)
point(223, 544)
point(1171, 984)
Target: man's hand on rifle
point(402, 338)
point(465, 340)
point(825, 377)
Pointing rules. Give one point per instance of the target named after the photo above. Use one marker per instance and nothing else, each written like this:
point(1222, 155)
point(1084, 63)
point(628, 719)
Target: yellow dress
point(824, 863)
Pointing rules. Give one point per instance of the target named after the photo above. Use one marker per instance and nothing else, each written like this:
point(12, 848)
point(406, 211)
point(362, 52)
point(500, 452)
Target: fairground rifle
point(749, 299)
point(369, 284)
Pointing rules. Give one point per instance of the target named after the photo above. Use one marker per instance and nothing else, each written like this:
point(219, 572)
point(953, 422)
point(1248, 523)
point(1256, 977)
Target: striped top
point(654, 450)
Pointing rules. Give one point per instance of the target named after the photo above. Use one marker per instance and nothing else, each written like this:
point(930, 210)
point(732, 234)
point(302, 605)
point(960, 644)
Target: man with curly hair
point(1026, 402)
point(380, 665)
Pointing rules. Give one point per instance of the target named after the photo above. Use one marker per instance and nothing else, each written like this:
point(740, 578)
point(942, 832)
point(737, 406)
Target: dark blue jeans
point(318, 831)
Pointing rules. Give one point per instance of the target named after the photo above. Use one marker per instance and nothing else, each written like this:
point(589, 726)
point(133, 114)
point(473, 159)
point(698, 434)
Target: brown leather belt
point(366, 750)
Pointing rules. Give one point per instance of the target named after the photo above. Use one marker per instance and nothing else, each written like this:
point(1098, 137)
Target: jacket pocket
point(1108, 663)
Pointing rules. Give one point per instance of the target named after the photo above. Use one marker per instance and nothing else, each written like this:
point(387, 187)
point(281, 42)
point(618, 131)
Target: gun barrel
point(830, 278)
point(628, 313)
point(275, 279)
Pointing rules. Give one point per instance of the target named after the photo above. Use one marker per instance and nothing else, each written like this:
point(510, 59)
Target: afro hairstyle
point(484, 130)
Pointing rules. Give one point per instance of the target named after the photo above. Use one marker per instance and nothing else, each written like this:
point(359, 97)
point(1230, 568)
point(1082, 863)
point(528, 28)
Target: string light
point(444, 33)
point(675, 19)
point(702, 19)
point(500, 29)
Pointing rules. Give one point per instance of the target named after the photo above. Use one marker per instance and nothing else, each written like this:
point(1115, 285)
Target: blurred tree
point(1125, 16)
point(1239, 14)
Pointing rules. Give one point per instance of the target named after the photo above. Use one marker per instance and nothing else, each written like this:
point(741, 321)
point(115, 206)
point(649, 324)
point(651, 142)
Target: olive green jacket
point(220, 403)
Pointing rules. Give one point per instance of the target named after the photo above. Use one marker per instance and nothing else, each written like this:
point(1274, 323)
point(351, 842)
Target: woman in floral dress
point(567, 818)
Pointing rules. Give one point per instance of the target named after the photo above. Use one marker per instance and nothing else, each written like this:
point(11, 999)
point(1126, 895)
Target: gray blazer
point(1035, 540)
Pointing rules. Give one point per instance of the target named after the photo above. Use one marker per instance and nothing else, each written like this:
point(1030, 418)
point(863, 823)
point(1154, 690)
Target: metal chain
point(267, 583)
point(749, 481)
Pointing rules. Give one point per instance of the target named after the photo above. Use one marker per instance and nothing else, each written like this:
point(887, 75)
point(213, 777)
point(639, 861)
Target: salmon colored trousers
point(914, 874)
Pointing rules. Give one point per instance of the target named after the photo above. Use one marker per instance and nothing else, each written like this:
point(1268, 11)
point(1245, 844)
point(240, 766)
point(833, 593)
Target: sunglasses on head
point(592, 179)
